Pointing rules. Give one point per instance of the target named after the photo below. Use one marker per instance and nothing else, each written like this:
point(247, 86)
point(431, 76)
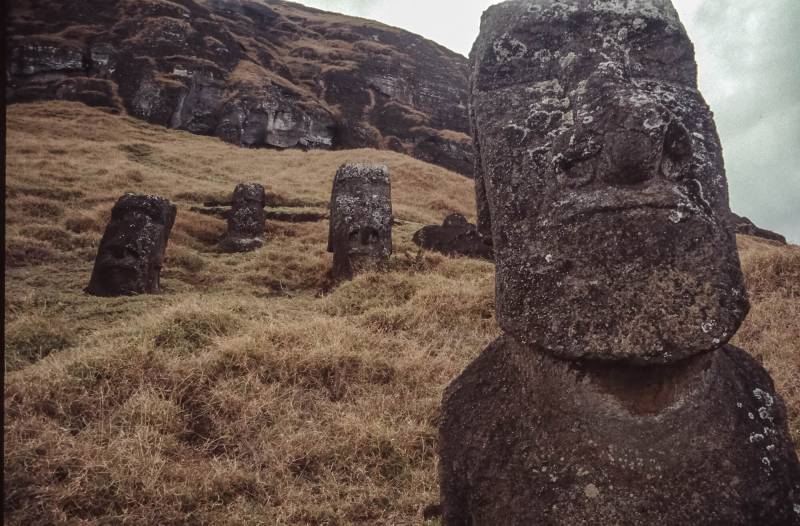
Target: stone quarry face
point(360, 219)
point(604, 182)
point(246, 219)
point(528, 438)
point(132, 249)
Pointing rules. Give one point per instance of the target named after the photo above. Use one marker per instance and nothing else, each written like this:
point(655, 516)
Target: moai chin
point(612, 398)
point(132, 248)
point(245, 219)
point(360, 219)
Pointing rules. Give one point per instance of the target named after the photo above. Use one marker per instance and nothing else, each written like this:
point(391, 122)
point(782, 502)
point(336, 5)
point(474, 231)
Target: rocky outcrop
point(256, 74)
point(744, 226)
point(612, 397)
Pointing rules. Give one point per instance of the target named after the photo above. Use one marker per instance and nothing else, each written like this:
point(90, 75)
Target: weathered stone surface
point(744, 226)
point(360, 234)
point(245, 219)
point(604, 180)
point(456, 236)
point(255, 74)
point(132, 249)
point(528, 438)
point(612, 398)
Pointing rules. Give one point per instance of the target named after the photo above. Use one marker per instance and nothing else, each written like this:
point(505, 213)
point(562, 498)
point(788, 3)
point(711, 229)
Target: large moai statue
point(360, 219)
point(132, 248)
point(245, 219)
point(613, 396)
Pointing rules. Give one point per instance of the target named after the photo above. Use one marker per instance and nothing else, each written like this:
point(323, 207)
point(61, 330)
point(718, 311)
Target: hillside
point(246, 393)
point(253, 73)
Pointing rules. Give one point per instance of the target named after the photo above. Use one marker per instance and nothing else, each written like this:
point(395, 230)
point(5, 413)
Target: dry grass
point(245, 394)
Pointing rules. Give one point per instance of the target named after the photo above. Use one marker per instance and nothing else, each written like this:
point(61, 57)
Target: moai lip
point(360, 234)
point(601, 174)
point(245, 219)
point(455, 237)
point(132, 248)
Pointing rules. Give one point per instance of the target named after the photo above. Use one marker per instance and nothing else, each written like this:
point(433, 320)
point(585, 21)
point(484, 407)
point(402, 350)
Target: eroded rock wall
point(256, 74)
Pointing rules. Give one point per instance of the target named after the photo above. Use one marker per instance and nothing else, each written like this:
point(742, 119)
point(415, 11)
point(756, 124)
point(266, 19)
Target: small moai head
point(246, 219)
point(602, 172)
point(132, 248)
point(360, 219)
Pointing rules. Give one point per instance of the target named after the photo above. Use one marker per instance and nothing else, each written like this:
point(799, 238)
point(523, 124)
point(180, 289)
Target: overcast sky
point(748, 53)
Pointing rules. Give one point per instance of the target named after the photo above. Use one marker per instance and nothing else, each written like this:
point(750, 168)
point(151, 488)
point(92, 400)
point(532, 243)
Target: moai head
point(246, 219)
point(604, 179)
point(132, 248)
point(361, 219)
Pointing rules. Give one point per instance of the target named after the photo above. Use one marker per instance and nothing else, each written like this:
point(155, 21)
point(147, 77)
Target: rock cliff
point(253, 73)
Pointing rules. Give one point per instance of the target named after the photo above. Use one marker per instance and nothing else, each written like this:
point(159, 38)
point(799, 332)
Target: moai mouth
point(360, 234)
point(132, 249)
point(601, 172)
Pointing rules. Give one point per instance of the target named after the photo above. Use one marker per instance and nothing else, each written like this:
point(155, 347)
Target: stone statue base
point(530, 439)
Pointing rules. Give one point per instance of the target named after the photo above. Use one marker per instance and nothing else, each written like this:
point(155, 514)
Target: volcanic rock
point(132, 248)
point(612, 397)
point(532, 439)
point(456, 236)
point(360, 219)
point(257, 74)
point(245, 219)
point(605, 172)
point(744, 226)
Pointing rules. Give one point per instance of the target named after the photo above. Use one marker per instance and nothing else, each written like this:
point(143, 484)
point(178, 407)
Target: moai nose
point(630, 155)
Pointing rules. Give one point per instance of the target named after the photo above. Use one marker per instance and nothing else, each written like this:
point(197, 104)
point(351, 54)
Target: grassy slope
point(244, 395)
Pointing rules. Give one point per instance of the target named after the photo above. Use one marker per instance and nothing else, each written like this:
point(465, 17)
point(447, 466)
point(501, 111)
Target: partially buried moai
point(245, 219)
point(132, 248)
point(612, 397)
point(360, 219)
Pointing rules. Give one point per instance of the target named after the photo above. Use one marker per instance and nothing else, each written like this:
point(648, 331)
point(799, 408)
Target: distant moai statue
point(613, 396)
point(132, 248)
point(360, 234)
point(245, 219)
point(455, 237)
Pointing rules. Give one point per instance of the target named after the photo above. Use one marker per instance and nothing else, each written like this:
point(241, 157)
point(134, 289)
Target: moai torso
point(245, 219)
point(132, 249)
point(613, 397)
point(360, 234)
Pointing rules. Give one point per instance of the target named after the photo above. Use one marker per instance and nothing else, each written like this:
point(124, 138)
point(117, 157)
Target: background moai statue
point(132, 248)
point(456, 236)
point(360, 219)
point(612, 397)
point(245, 219)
